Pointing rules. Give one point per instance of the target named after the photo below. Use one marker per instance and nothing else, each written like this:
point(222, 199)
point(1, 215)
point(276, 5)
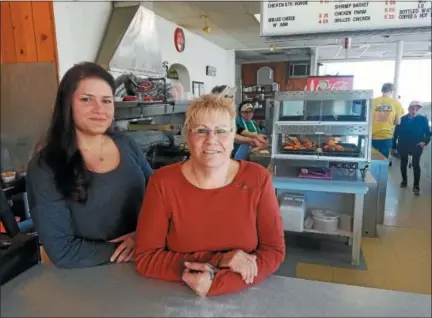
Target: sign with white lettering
point(283, 18)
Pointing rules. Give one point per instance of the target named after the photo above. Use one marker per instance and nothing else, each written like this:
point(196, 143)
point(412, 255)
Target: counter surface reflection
point(117, 291)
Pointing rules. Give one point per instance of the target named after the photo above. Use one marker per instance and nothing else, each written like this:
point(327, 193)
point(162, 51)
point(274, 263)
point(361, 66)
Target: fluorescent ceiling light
point(258, 17)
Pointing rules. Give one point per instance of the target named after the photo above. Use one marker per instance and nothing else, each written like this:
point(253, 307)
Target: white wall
point(80, 28)
point(197, 55)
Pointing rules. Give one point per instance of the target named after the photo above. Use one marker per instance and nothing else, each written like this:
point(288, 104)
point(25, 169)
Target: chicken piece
point(308, 145)
point(332, 145)
point(339, 147)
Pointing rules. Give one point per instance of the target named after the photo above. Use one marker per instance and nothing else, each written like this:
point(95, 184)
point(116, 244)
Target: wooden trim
point(54, 37)
point(28, 32)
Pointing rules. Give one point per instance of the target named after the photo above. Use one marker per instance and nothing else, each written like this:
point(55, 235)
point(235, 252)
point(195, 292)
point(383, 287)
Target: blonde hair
point(209, 103)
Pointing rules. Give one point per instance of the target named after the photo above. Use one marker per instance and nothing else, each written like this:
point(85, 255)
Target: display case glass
point(325, 107)
point(332, 126)
point(326, 110)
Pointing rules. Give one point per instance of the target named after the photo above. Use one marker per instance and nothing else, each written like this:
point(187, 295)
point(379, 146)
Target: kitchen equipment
point(331, 127)
point(345, 222)
point(292, 208)
point(325, 221)
point(161, 127)
point(18, 251)
point(315, 173)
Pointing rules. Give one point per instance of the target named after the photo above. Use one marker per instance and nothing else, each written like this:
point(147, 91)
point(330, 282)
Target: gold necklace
point(199, 185)
point(101, 157)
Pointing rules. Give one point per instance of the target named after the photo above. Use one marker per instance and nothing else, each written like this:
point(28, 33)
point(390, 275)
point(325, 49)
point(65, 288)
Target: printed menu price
point(279, 18)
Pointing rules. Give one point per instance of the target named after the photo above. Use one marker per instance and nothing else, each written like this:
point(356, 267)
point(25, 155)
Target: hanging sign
point(284, 18)
point(329, 83)
point(179, 40)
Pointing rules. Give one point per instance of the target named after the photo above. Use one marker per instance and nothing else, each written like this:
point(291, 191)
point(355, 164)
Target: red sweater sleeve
point(271, 244)
point(152, 259)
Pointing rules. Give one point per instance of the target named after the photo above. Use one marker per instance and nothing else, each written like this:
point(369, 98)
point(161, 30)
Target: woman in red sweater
point(211, 222)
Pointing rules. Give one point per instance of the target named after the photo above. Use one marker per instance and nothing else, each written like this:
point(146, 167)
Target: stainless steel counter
point(117, 291)
point(375, 199)
point(128, 110)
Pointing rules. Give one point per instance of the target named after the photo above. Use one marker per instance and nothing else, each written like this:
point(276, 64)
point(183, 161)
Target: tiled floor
point(400, 259)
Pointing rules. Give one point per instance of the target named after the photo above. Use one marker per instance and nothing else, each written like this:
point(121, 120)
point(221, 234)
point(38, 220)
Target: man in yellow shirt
point(386, 114)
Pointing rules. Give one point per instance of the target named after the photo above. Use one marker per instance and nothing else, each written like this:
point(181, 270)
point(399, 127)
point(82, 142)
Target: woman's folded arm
point(152, 258)
point(271, 244)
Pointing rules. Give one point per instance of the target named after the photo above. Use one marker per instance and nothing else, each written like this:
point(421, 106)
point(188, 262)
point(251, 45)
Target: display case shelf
point(339, 232)
point(329, 136)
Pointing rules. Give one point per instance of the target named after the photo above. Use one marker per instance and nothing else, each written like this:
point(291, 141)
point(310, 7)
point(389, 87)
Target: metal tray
point(298, 152)
point(351, 150)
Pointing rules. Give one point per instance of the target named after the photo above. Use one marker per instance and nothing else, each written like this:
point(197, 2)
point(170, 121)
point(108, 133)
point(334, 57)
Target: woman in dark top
point(411, 136)
point(86, 185)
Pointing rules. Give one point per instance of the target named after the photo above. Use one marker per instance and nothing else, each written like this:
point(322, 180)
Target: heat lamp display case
point(333, 126)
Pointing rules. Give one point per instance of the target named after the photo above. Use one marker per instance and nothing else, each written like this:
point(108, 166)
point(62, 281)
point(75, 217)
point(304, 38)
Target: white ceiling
point(234, 27)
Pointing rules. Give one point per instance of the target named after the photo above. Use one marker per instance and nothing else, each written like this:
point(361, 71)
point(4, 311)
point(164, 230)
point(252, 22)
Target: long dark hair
point(61, 152)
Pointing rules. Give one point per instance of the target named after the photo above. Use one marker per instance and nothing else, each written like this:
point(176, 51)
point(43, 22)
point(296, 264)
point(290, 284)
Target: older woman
point(211, 222)
point(86, 184)
point(411, 136)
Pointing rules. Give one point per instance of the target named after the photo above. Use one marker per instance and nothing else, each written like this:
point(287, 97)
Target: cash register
point(19, 251)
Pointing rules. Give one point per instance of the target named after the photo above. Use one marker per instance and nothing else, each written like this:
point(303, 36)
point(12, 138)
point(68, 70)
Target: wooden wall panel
point(295, 84)
point(28, 32)
point(23, 29)
point(249, 72)
point(7, 36)
point(249, 76)
point(43, 28)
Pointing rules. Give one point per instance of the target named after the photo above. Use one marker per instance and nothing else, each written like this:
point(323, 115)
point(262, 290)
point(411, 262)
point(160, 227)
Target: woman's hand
point(198, 277)
point(262, 139)
point(240, 262)
point(257, 144)
point(125, 251)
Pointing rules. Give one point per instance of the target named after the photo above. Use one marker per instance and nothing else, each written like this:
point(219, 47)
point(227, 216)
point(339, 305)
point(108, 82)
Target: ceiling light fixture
point(206, 29)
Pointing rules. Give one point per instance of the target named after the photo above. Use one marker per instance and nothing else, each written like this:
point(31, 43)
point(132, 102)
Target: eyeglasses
point(247, 111)
point(204, 132)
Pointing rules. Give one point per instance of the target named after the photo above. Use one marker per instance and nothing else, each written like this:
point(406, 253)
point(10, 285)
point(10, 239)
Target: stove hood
point(130, 43)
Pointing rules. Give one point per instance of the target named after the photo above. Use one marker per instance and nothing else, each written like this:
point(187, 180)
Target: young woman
point(86, 184)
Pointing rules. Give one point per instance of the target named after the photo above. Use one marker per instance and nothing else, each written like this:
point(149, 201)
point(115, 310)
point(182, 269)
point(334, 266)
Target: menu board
point(284, 18)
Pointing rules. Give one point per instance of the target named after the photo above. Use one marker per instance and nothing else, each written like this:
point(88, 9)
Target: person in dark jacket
point(412, 135)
